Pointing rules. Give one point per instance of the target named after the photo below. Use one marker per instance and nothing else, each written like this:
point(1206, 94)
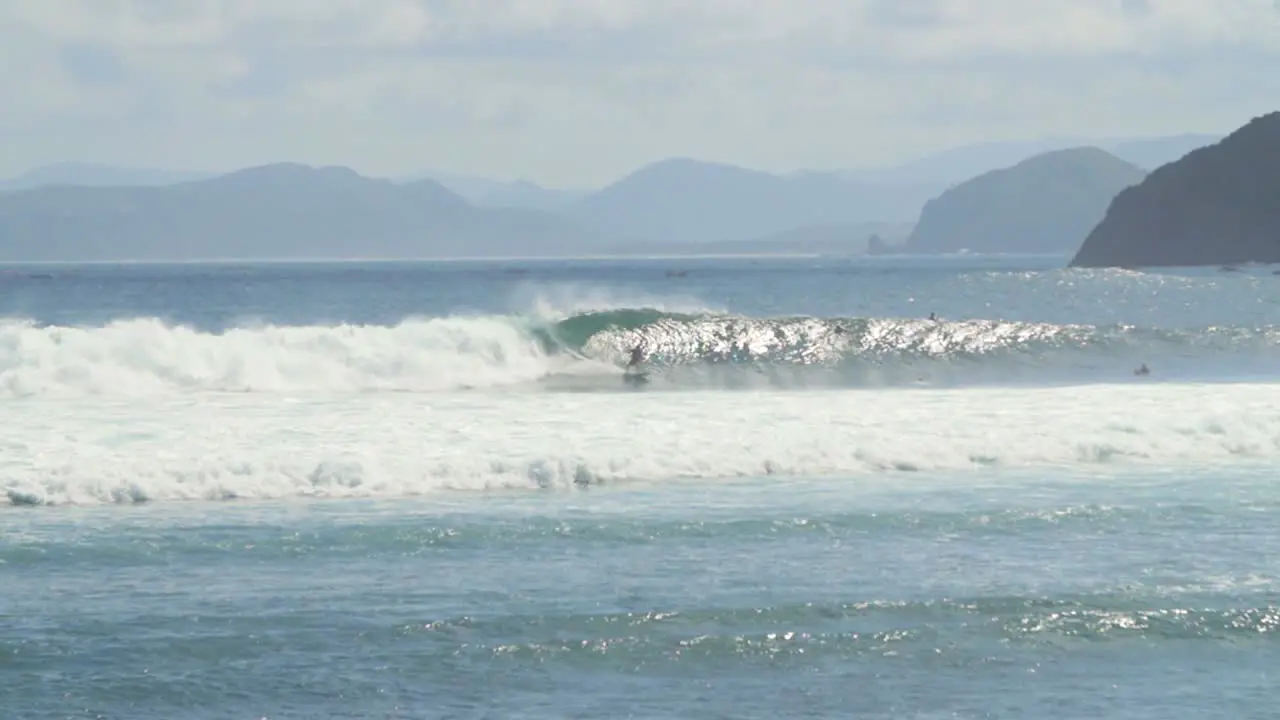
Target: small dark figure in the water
point(933, 317)
point(637, 357)
point(1142, 370)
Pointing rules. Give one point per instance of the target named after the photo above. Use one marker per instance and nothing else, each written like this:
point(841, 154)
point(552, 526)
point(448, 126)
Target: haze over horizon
point(577, 93)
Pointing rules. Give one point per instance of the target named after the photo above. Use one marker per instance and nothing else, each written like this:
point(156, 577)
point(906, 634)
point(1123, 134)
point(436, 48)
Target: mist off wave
point(145, 356)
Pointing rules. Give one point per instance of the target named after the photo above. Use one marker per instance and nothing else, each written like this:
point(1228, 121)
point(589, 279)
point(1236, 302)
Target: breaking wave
point(585, 349)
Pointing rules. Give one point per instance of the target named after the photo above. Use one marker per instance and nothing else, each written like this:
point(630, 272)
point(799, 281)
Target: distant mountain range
point(87, 211)
point(497, 193)
point(98, 175)
point(274, 211)
point(688, 201)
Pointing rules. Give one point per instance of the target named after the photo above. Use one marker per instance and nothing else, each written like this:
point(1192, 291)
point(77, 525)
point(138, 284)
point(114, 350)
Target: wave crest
point(584, 351)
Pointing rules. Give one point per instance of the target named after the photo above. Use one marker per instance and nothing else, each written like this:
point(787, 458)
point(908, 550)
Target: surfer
point(637, 357)
point(633, 375)
point(1142, 370)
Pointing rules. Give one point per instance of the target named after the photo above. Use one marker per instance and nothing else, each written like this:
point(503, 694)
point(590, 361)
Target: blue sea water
point(422, 490)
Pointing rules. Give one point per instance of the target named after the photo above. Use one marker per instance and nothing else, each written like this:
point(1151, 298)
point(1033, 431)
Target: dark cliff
point(1218, 205)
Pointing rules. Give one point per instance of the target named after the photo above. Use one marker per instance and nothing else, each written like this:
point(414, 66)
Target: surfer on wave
point(634, 375)
point(637, 357)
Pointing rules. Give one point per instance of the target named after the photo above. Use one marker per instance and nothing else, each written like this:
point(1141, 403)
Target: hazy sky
point(578, 92)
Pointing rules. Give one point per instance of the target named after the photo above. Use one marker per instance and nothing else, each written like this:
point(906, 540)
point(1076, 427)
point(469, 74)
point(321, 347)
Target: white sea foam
point(147, 357)
point(218, 446)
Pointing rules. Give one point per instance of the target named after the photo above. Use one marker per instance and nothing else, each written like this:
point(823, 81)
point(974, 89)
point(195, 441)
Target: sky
point(576, 93)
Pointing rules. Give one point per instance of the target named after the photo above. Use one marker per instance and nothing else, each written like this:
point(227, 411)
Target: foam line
point(90, 450)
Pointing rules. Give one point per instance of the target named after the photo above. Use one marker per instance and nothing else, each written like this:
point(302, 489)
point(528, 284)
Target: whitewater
point(230, 446)
point(894, 487)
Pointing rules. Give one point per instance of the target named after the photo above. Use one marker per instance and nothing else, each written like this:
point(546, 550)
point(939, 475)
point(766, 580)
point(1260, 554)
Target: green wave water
point(907, 345)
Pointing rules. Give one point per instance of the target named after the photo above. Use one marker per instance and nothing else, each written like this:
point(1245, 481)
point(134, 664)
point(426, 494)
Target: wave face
point(873, 351)
point(582, 351)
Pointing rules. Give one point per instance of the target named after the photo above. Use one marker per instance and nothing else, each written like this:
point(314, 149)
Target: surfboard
point(636, 378)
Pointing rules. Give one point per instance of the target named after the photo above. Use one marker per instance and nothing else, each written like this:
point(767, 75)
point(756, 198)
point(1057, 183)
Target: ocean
point(424, 490)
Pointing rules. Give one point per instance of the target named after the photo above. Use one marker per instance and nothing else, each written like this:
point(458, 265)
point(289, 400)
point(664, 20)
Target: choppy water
point(418, 491)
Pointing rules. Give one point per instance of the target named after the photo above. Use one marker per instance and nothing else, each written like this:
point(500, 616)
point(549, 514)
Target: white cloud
point(580, 91)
